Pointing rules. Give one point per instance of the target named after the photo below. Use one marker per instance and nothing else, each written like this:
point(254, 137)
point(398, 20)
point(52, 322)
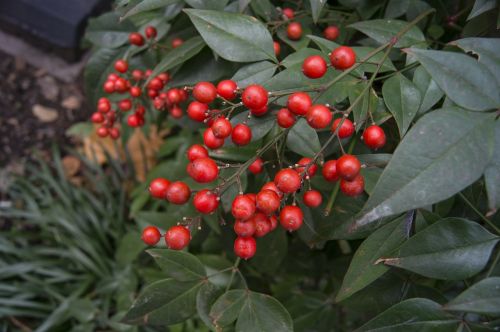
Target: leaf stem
point(482, 216)
point(235, 268)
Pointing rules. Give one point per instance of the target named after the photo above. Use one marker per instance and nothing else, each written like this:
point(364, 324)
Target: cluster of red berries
point(294, 29)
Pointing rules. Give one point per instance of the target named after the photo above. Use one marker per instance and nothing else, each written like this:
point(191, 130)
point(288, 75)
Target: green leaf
point(303, 139)
point(396, 8)
point(179, 55)
point(413, 315)
point(212, 4)
point(476, 91)
point(297, 58)
point(492, 173)
point(227, 307)
point(264, 9)
point(363, 51)
point(129, 247)
point(487, 49)
point(382, 31)
point(324, 44)
point(235, 37)
point(107, 31)
point(363, 269)
point(262, 312)
point(272, 250)
point(254, 73)
point(451, 249)
point(422, 172)
point(368, 102)
point(482, 298)
point(403, 99)
point(179, 265)
point(205, 299)
point(80, 129)
point(235, 153)
point(164, 302)
point(429, 90)
point(316, 8)
point(147, 5)
point(481, 6)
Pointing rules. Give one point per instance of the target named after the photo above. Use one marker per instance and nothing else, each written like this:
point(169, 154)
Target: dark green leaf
point(262, 312)
point(179, 265)
point(368, 102)
point(371, 65)
point(481, 6)
point(316, 8)
point(429, 90)
point(234, 37)
point(475, 91)
point(147, 5)
point(254, 73)
point(129, 247)
point(451, 249)
point(422, 172)
point(227, 307)
point(324, 44)
point(108, 31)
point(481, 298)
point(383, 30)
point(396, 8)
point(413, 315)
point(205, 299)
point(272, 250)
point(492, 172)
point(264, 9)
point(212, 4)
point(303, 139)
point(297, 58)
point(403, 99)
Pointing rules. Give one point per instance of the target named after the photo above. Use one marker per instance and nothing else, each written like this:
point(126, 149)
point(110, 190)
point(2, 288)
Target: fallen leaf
point(71, 165)
point(72, 103)
point(44, 113)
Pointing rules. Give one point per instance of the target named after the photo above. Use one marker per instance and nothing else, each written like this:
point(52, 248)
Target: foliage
point(417, 250)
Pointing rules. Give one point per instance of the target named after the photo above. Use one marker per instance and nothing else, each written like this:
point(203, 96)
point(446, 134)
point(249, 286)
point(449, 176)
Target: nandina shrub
point(335, 165)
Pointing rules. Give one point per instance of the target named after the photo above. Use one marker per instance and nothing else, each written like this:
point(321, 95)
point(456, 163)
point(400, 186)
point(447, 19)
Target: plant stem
point(482, 216)
point(235, 268)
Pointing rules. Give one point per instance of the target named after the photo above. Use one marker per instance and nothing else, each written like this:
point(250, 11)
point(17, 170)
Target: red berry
point(97, 117)
point(291, 217)
point(151, 235)
point(242, 134)
point(227, 89)
point(114, 133)
point(177, 237)
point(204, 92)
point(135, 91)
point(196, 151)
point(164, 77)
point(176, 112)
point(277, 48)
point(287, 180)
point(330, 171)
point(158, 188)
point(304, 162)
point(136, 39)
point(331, 32)
point(197, 111)
point(319, 116)
point(346, 130)
point(178, 193)
point(243, 207)
point(285, 118)
point(210, 140)
point(252, 196)
point(152, 93)
point(176, 42)
point(156, 84)
point(140, 110)
point(254, 97)
point(174, 96)
point(294, 31)
point(102, 132)
point(104, 106)
point(121, 66)
point(354, 187)
point(273, 220)
point(267, 201)
point(348, 166)
point(314, 66)
point(288, 12)
point(272, 186)
point(312, 198)
point(257, 166)
point(221, 127)
point(299, 103)
point(109, 87)
point(113, 77)
point(137, 75)
point(245, 247)
point(259, 112)
point(244, 228)
point(262, 224)
point(125, 105)
point(203, 170)
point(121, 85)
point(374, 137)
point(205, 201)
point(343, 57)
point(134, 120)
point(150, 32)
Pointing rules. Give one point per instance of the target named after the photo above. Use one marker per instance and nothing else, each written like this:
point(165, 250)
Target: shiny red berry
point(204, 92)
point(267, 201)
point(150, 32)
point(244, 228)
point(203, 170)
point(243, 207)
point(178, 193)
point(257, 166)
point(241, 135)
point(121, 66)
point(305, 162)
point(285, 118)
point(374, 137)
point(174, 96)
point(348, 167)
point(346, 130)
point(299, 103)
point(151, 235)
point(227, 89)
point(252, 196)
point(291, 218)
point(221, 127)
point(137, 74)
point(331, 32)
point(114, 133)
point(176, 42)
point(319, 116)
point(125, 105)
point(273, 220)
point(205, 201)
point(314, 66)
point(210, 140)
point(287, 180)
point(196, 151)
point(262, 224)
point(197, 111)
point(343, 57)
point(134, 120)
point(97, 117)
point(156, 84)
point(354, 187)
point(272, 186)
point(176, 112)
point(136, 39)
point(294, 31)
point(245, 247)
point(102, 131)
point(289, 13)
point(254, 96)
point(158, 188)
point(277, 48)
point(135, 91)
point(177, 237)
point(259, 111)
point(330, 171)
point(312, 198)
